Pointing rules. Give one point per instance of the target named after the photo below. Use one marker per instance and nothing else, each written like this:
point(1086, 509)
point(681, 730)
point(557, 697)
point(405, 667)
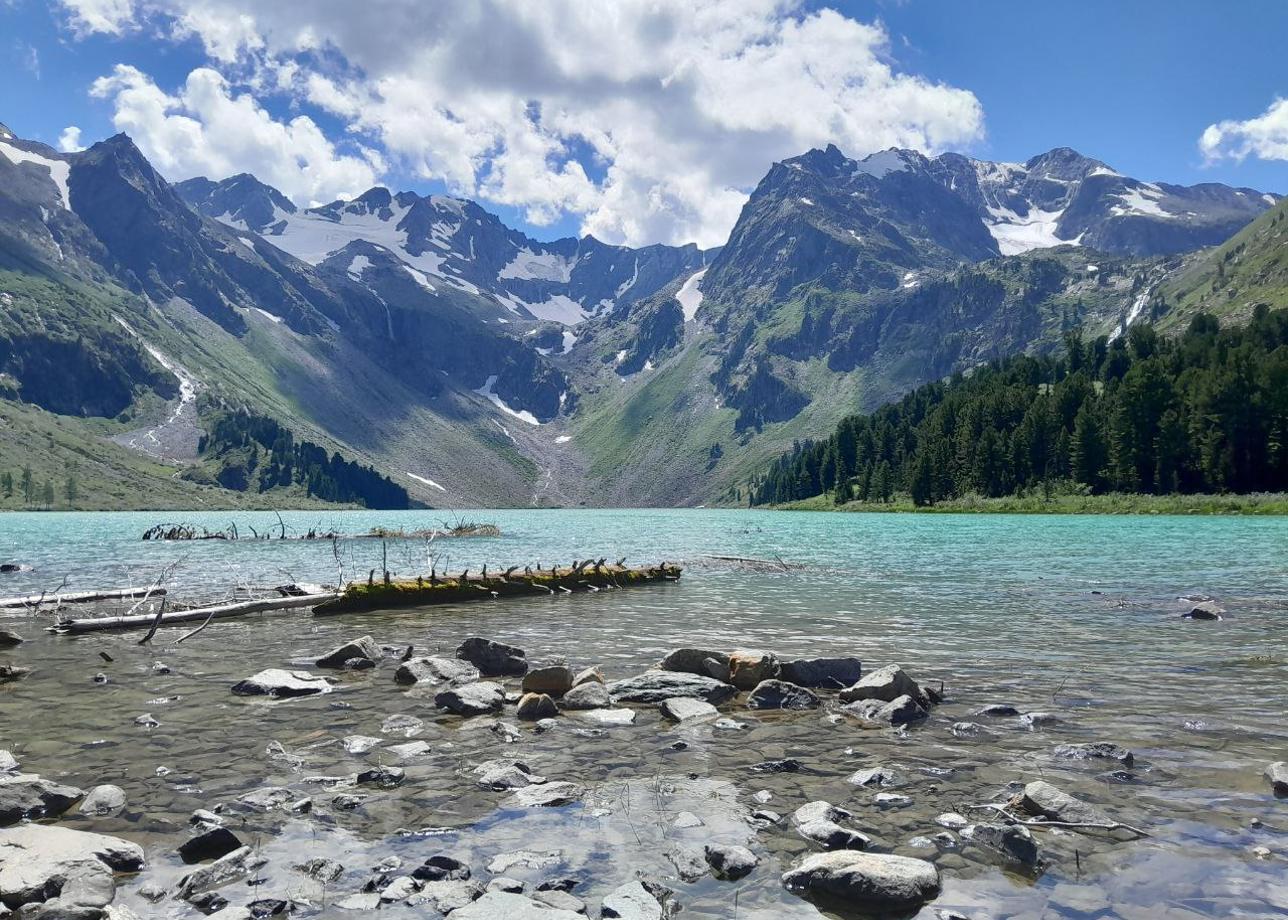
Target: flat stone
point(531, 859)
point(866, 881)
point(360, 744)
point(1013, 841)
point(493, 659)
point(506, 884)
point(399, 889)
point(694, 661)
point(223, 870)
point(280, 683)
point(657, 686)
point(402, 724)
point(209, 844)
point(506, 774)
point(636, 901)
point(410, 749)
point(891, 800)
point(382, 776)
point(952, 820)
point(690, 863)
point(747, 668)
point(42, 862)
point(433, 670)
point(447, 895)
point(902, 710)
point(823, 673)
point(503, 905)
point(560, 900)
point(873, 776)
point(617, 716)
point(587, 695)
point(1095, 750)
point(886, 684)
point(547, 795)
point(553, 680)
point(833, 836)
point(1277, 775)
point(591, 675)
point(1041, 799)
point(323, 869)
point(474, 699)
point(683, 709)
point(730, 862)
point(534, 706)
point(364, 648)
point(779, 694)
point(687, 819)
point(28, 795)
point(268, 797)
point(102, 801)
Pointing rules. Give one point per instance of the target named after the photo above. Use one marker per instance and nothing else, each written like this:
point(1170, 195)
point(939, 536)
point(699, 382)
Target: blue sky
point(1134, 84)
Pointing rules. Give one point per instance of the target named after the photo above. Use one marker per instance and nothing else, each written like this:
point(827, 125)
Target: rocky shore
point(537, 735)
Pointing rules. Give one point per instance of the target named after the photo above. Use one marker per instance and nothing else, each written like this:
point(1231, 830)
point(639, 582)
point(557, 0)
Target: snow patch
point(558, 308)
point(358, 266)
point(521, 415)
point(1269, 199)
point(807, 201)
point(627, 285)
point(563, 439)
point(1141, 200)
point(533, 266)
point(267, 315)
point(569, 340)
point(59, 170)
point(1016, 234)
point(881, 164)
point(690, 296)
point(421, 278)
point(425, 480)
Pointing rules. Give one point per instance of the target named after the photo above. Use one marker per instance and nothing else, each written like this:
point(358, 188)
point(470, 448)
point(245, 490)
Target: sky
point(643, 121)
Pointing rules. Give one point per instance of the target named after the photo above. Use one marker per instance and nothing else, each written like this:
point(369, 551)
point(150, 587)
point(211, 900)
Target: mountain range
point(477, 366)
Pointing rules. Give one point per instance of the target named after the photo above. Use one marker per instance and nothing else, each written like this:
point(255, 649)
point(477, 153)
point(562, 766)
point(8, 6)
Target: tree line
point(258, 453)
point(1206, 412)
point(39, 494)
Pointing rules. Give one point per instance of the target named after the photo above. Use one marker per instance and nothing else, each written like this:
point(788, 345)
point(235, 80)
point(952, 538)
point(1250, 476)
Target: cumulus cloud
point(206, 129)
point(1265, 136)
point(86, 17)
point(70, 140)
point(647, 120)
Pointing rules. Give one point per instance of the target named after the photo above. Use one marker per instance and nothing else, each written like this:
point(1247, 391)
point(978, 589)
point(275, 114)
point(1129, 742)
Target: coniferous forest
point(259, 454)
point(1206, 412)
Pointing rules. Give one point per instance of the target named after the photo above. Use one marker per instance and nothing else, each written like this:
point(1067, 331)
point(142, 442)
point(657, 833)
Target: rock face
point(684, 709)
point(534, 706)
point(699, 661)
point(900, 711)
point(886, 684)
point(495, 905)
point(823, 673)
point(1041, 799)
point(1013, 841)
point(588, 695)
point(554, 680)
point(364, 648)
point(865, 881)
point(474, 699)
point(1277, 775)
point(493, 659)
point(280, 683)
point(26, 795)
point(432, 670)
point(779, 694)
point(748, 668)
point(43, 863)
point(657, 686)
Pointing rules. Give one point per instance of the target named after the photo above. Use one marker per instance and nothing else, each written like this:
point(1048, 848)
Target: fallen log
point(79, 597)
point(195, 614)
point(380, 595)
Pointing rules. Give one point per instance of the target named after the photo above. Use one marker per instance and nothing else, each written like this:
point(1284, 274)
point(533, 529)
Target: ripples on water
point(1073, 615)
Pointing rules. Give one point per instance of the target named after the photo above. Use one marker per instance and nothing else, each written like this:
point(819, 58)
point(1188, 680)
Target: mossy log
point(379, 595)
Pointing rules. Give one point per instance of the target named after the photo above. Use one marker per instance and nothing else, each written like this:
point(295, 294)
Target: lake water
point(1075, 616)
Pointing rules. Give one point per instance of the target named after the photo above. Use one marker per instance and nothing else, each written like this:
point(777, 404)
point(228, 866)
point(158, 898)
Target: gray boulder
point(8, 763)
point(1277, 775)
point(44, 863)
point(748, 667)
point(823, 673)
point(586, 695)
point(474, 699)
point(9, 638)
point(493, 659)
point(534, 706)
point(230, 866)
point(819, 822)
point(1012, 841)
point(280, 683)
point(1043, 800)
point(591, 675)
point(683, 709)
point(552, 680)
point(1205, 610)
point(209, 844)
point(364, 648)
point(779, 694)
point(446, 895)
point(639, 900)
point(506, 774)
point(902, 710)
point(547, 795)
point(730, 862)
point(657, 686)
point(607, 716)
point(434, 670)
point(870, 882)
point(102, 801)
point(886, 684)
point(873, 776)
point(504, 905)
point(696, 661)
point(27, 795)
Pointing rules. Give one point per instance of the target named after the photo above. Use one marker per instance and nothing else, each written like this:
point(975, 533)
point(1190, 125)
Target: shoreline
point(1255, 504)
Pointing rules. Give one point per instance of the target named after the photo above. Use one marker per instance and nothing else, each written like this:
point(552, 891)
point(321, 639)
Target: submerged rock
point(364, 648)
point(28, 795)
point(1043, 800)
point(493, 659)
point(1277, 775)
point(639, 900)
point(209, 844)
point(657, 686)
point(779, 694)
point(553, 680)
point(9, 638)
point(506, 774)
point(865, 881)
point(1095, 750)
point(474, 699)
point(683, 709)
point(382, 776)
point(607, 716)
point(1205, 610)
point(823, 673)
point(434, 670)
point(730, 861)
point(534, 706)
point(586, 695)
point(1013, 841)
point(103, 800)
point(73, 869)
point(748, 668)
point(873, 776)
point(820, 822)
point(547, 795)
point(900, 711)
point(280, 683)
point(997, 710)
point(886, 684)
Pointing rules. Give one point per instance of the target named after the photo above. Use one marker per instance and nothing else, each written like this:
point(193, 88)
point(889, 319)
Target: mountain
point(477, 366)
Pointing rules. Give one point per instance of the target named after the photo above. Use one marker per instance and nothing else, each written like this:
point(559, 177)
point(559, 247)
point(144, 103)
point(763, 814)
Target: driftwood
point(374, 594)
point(80, 597)
point(194, 615)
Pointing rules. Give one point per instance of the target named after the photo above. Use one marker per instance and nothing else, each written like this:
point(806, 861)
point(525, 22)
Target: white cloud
point(108, 16)
point(649, 120)
point(208, 130)
point(70, 140)
point(1265, 136)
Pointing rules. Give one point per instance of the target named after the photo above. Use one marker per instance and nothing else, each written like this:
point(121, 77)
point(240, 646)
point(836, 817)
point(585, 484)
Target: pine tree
point(28, 486)
point(6, 484)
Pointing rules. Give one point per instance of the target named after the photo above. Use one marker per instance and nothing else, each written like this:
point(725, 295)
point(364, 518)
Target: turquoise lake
point(1078, 617)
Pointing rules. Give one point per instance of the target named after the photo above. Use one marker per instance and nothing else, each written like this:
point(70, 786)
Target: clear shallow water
point(1076, 616)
